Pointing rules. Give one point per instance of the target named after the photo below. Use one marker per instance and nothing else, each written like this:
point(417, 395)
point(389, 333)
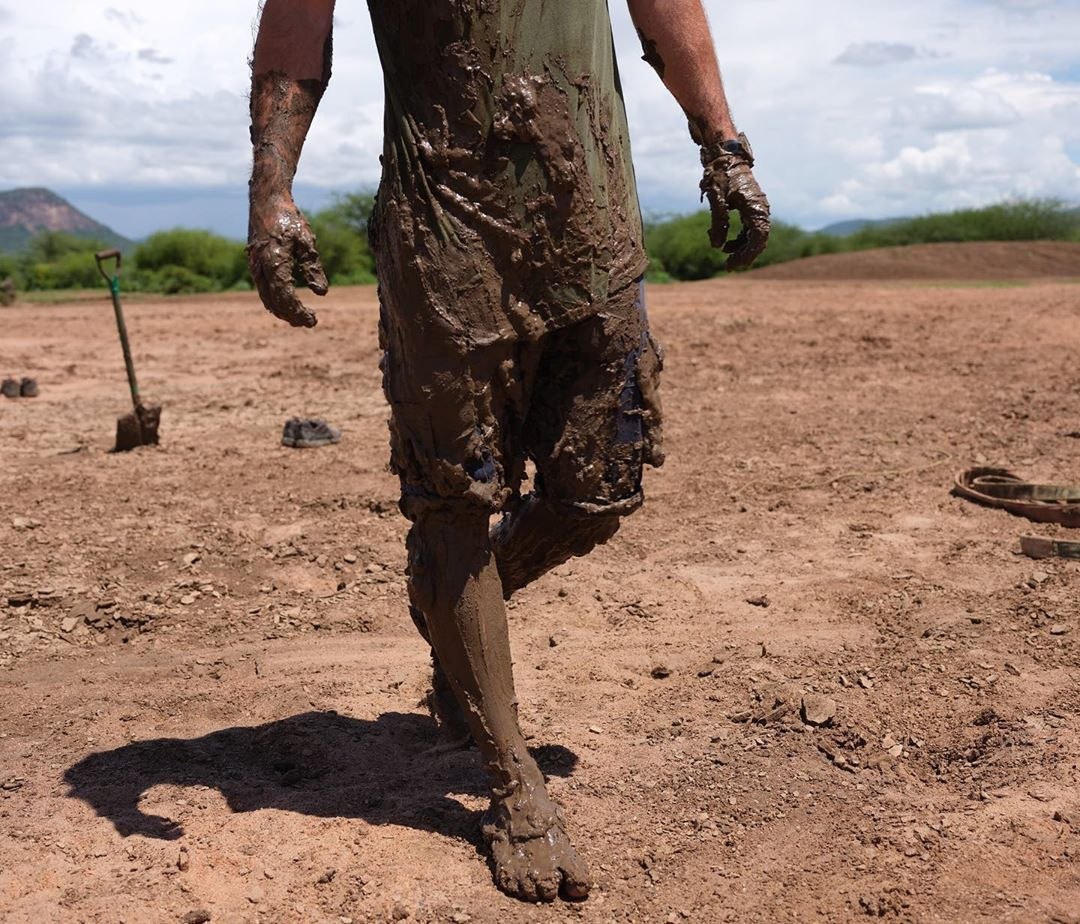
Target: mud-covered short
point(581, 402)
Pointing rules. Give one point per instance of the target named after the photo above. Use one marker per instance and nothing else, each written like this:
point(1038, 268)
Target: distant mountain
point(854, 225)
point(27, 212)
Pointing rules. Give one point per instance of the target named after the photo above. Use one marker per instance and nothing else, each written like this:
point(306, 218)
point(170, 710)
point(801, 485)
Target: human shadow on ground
point(318, 763)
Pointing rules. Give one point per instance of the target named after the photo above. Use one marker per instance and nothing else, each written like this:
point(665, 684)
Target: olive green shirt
point(508, 202)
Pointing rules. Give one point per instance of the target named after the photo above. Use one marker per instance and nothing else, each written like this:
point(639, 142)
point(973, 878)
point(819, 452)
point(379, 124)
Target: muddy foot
point(533, 859)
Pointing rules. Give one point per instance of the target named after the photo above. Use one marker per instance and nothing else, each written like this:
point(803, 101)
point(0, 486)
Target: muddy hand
point(729, 185)
point(280, 239)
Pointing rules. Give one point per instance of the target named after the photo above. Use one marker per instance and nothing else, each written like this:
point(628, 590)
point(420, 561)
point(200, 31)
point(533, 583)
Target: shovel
point(139, 428)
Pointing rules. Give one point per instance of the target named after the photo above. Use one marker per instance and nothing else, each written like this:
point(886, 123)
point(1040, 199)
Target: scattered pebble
point(350, 559)
point(183, 861)
point(817, 709)
point(198, 916)
point(660, 672)
point(1060, 629)
point(187, 600)
point(761, 600)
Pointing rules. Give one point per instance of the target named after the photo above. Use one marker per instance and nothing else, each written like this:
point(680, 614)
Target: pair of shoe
point(27, 388)
point(303, 433)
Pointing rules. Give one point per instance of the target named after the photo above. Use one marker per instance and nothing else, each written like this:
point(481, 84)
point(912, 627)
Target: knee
point(445, 544)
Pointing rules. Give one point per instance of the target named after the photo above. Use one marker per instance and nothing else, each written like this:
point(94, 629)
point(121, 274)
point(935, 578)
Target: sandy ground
point(211, 687)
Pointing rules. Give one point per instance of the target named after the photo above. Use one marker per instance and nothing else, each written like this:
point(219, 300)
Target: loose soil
point(803, 683)
point(987, 261)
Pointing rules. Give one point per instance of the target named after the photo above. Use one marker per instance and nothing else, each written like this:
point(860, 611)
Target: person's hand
point(729, 185)
point(280, 238)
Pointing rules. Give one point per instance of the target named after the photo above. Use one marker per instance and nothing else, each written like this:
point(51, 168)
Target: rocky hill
point(27, 212)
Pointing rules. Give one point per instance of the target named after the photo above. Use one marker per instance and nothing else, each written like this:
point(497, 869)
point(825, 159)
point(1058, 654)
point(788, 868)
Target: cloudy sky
point(856, 108)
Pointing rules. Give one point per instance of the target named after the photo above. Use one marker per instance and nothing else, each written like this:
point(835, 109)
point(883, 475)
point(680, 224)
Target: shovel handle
point(102, 256)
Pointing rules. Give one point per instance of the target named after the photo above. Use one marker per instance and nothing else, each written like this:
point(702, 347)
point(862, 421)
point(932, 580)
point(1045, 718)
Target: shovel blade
point(139, 428)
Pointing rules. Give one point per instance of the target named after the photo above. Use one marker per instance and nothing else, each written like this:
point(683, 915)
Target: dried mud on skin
point(211, 684)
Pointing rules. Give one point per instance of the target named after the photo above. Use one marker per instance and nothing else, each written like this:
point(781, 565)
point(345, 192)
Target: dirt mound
point(991, 260)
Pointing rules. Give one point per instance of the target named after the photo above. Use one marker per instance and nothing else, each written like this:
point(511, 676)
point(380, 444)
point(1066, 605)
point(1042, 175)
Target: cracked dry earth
point(804, 683)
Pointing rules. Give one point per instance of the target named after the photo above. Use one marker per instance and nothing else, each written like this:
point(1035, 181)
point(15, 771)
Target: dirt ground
point(211, 687)
point(989, 261)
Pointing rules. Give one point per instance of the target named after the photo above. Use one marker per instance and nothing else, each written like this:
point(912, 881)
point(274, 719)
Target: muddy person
point(508, 243)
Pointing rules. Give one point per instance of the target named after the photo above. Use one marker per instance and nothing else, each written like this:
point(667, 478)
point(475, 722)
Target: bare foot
point(531, 856)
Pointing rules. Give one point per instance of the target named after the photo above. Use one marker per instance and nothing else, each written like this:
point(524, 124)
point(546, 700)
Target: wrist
point(731, 150)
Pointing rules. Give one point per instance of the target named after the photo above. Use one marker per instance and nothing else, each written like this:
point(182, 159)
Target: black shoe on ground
point(9, 388)
point(302, 433)
point(29, 388)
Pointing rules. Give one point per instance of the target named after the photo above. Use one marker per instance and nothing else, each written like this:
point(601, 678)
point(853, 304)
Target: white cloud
point(877, 54)
point(943, 101)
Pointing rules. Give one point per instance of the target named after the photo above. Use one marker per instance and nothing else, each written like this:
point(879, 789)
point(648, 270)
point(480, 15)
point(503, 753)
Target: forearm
point(677, 43)
point(290, 72)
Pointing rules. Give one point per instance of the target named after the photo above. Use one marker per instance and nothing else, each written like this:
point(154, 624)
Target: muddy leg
point(454, 581)
point(441, 701)
point(536, 537)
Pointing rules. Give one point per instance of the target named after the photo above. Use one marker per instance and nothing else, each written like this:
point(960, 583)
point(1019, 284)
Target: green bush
point(680, 248)
point(341, 235)
point(189, 255)
point(170, 280)
point(58, 260)
point(1034, 220)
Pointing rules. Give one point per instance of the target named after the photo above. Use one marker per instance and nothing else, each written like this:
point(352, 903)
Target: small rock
point(1060, 629)
point(183, 861)
point(761, 600)
point(461, 917)
point(400, 912)
point(660, 672)
point(198, 916)
point(68, 624)
point(596, 729)
point(192, 558)
point(563, 592)
point(187, 600)
point(326, 877)
point(350, 559)
point(865, 682)
point(25, 523)
point(255, 895)
point(1040, 576)
point(817, 709)
point(1062, 817)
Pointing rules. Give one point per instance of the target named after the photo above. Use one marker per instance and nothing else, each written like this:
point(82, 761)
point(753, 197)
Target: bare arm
point(290, 71)
point(677, 43)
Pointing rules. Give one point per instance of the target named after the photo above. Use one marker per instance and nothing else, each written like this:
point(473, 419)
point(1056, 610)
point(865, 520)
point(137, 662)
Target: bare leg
point(535, 537)
point(455, 583)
